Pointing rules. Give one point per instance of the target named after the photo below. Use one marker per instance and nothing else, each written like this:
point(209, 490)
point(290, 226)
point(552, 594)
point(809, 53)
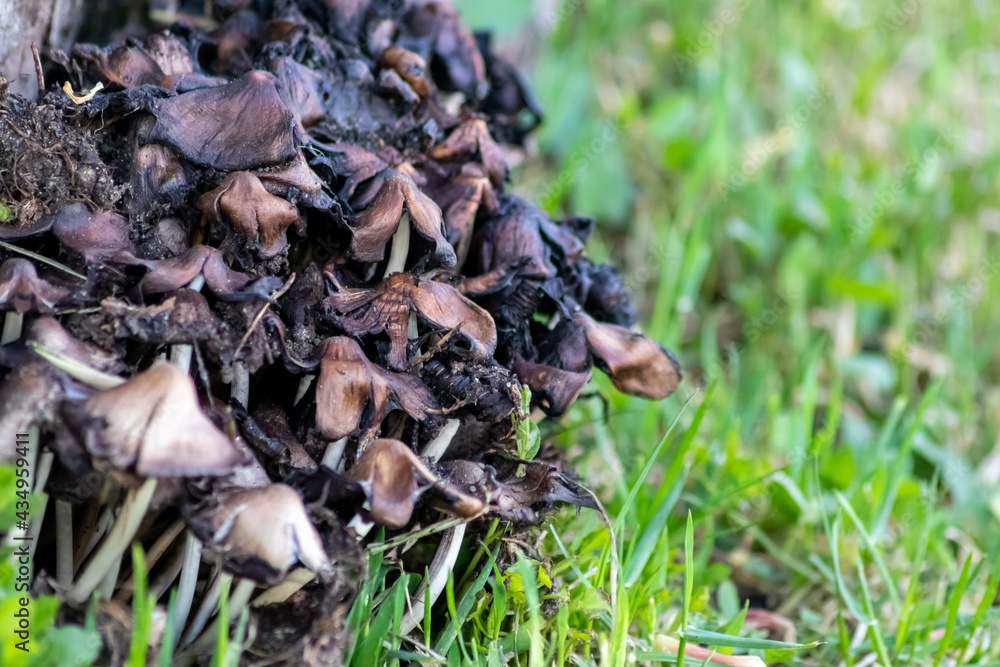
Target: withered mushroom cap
point(21, 289)
point(353, 393)
point(461, 197)
point(555, 389)
point(170, 274)
point(393, 477)
point(49, 333)
point(240, 125)
point(386, 308)
point(258, 216)
point(470, 139)
point(97, 235)
point(154, 423)
point(379, 221)
point(261, 532)
point(28, 396)
point(637, 365)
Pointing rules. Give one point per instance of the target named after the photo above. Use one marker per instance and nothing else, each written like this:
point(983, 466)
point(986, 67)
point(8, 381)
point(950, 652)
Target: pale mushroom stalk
point(295, 580)
point(109, 554)
point(241, 383)
point(13, 322)
point(187, 584)
point(304, 385)
point(181, 354)
point(400, 247)
point(447, 551)
point(64, 543)
point(153, 555)
point(333, 458)
point(207, 608)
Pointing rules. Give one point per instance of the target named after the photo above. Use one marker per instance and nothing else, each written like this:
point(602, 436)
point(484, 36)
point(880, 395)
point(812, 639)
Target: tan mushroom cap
point(637, 365)
point(153, 422)
point(263, 526)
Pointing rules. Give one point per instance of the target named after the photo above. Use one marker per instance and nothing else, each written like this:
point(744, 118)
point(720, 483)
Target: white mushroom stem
point(107, 586)
point(293, 582)
point(109, 554)
point(181, 354)
point(238, 600)
point(447, 551)
point(240, 389)
point(333, 457)
point(304, 384)
point(400, 247)
point(64, 543)
point(188, 582)
point(207, 608)
point(12, 324)
point(443, 563)
point(436, 448)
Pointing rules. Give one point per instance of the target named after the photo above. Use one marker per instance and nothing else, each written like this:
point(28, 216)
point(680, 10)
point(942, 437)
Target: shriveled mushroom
point(258, 216)
point(354, 394)
point(636, 364)
point(393, 477)
point(399, 201)
point(260, 533)
point(23, 291)
point(169, 274)
point(240, 125)
point(386, 308)
point(472, 141)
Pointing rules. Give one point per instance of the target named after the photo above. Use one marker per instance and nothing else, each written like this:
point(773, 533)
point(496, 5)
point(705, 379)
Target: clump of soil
point(45, 162)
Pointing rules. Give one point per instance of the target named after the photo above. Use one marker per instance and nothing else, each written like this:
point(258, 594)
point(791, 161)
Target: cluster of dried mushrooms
point(266, 289)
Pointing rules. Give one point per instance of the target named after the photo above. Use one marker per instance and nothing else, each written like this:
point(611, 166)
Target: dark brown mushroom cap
point(21, 289)
point(302, 90)
point(99, 236)
point(355, 165)
point(461, 197)
point(637, 365)
point(154, 423)
point(553, 388)
point(472, 141)
point(386, 308)
point(450, 42)
point(352, 393)
point(376, 225)
point(169, 274)
point(393, 477)
point(261, 532)
point(297, 174)
point(171, 55)
point(258, 216)
point(127, 66)
point(156, 174)
point(240, 125)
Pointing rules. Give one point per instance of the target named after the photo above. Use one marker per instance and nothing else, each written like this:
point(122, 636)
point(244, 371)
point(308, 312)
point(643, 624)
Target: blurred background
point(803, 199)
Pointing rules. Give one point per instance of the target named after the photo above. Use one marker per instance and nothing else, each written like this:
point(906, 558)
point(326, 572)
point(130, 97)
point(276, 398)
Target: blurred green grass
point(803, 199)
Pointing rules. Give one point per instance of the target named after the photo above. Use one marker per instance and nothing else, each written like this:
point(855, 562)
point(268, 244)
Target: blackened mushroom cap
point(240, 125)
point(515, 233)
point(302, 89)
point(261, 532)
point(637, 365)
point(154, 423)
point(462, 196)
point(386, 308)
point(127, 65)
point(353, 393)
point(23, 291)
point(258, 216)
point(379, 221)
